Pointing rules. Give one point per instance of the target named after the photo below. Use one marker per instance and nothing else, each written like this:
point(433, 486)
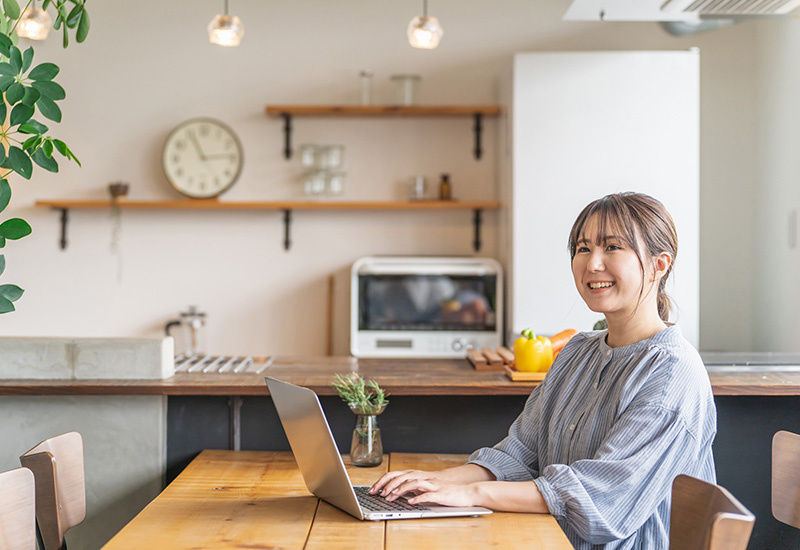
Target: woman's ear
point(661, 264)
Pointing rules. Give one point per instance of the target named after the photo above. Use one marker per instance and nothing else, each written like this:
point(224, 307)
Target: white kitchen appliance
point(425, 306)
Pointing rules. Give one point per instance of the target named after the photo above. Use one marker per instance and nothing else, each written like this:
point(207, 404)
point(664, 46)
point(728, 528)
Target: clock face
point(202, 158)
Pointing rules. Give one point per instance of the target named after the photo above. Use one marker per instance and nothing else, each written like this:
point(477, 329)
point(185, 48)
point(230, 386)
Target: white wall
point(777, 257)
point(636, 129)
point(147, 66)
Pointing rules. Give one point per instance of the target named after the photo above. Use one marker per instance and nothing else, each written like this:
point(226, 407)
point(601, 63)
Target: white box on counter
point(86, 358)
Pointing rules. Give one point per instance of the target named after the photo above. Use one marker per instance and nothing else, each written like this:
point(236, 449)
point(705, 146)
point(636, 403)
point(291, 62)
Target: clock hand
point(197, 146)
point(218, 156)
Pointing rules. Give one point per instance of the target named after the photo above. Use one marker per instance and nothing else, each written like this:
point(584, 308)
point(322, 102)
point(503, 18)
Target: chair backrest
point(705, 516)
point(17, 513)
point(57, 465)
point(786, 478)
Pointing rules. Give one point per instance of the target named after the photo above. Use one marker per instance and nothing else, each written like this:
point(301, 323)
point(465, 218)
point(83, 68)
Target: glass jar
point(309, 156)
point(366, 87)
point(405, 88)
point(331, 156)
point(314, 184)
point(367, 447)
point(335, 184)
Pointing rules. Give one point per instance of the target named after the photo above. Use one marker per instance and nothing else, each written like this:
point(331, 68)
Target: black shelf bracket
point(477, 222)
point(478, 129)
point(287, 222)
point(287, 135)
point(64, 220)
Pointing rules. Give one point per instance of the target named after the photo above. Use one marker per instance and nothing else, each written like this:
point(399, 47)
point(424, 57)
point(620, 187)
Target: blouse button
point(572, 427)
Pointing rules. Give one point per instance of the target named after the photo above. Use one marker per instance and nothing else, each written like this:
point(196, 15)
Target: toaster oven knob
point(459, 345)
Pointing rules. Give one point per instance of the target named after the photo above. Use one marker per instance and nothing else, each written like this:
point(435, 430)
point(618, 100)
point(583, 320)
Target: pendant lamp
point(424, 31)
point(35, 23)
point(226, 30)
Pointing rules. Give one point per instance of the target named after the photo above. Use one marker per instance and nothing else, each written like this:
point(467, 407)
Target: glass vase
point(366, 448)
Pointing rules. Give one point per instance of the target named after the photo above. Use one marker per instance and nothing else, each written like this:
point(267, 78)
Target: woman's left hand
point(436, 491)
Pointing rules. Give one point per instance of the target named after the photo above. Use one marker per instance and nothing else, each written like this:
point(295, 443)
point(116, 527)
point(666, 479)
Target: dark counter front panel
point(461, 424)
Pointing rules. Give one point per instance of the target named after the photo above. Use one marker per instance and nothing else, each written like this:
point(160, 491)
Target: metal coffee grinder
point(190, 340)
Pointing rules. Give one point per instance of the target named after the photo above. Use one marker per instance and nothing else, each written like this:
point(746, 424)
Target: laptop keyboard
point(375, 503)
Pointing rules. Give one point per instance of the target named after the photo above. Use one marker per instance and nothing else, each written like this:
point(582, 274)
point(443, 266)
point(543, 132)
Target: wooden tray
point(517, 376)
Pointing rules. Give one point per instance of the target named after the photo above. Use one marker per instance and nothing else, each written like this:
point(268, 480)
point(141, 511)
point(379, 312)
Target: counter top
point(397, 376)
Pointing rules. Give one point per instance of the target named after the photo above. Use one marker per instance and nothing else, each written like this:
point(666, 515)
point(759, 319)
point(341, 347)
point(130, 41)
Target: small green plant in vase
point(367, 400)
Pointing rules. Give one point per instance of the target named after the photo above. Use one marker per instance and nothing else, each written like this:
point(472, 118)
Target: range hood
point(674, 10)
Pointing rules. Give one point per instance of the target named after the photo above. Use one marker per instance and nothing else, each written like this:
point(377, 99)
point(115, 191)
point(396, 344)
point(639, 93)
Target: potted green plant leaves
point(27, 89)
point(367, 400)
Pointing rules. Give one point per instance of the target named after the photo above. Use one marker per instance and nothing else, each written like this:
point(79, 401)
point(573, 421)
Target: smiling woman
point(620, 413)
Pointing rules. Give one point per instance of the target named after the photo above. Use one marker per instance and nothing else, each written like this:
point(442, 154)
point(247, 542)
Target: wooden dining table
point(257, 500)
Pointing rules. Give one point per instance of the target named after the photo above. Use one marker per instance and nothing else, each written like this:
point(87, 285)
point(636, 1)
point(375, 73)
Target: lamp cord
point(424, 8)
point(226, 7)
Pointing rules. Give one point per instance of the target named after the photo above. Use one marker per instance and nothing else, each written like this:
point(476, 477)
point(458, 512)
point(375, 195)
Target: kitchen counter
point(730, 374)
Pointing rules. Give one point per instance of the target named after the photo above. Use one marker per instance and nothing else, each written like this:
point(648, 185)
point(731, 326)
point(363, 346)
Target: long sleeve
point(515, 457)
point(609, 496)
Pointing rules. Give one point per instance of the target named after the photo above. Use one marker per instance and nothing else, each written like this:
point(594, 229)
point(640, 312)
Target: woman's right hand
point(391, 480)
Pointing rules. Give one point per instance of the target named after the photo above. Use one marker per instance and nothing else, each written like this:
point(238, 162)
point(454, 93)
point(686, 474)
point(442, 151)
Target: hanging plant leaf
point(47, 148)
point(5, 82)
point(5, 305)
point(45, 71)
point(66, 151)
point(41, 128)
point(31, 96)
point(27, 59)
point(6, 69)
point(48, 163)
point(20, 114)
point(5, 195)
point(14, 93)
point(50, 90)
point(11, 293)
point(32, 143)
point(49, 109)
point(74, 16)
point(83, 27)
point(2, 263)
point(3, 111)
point(27, 129)
point(20, 163)
point(15, 59)
point(11, 9)
point(14, 229)
point(5, 44)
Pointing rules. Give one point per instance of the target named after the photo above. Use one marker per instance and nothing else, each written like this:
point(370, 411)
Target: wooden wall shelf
point(286, 206)
point(383, 110)
point(477, 112)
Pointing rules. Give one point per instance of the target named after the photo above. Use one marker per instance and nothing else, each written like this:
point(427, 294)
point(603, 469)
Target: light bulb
point(225, 30)
point(425, 32)
point(34, 24)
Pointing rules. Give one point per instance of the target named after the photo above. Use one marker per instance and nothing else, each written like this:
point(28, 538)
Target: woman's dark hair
point(630, 216)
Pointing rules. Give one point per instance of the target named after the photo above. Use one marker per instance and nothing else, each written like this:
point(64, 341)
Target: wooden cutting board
point(501, 359)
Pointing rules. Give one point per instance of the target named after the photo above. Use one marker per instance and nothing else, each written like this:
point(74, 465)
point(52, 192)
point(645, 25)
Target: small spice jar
point(445, 188)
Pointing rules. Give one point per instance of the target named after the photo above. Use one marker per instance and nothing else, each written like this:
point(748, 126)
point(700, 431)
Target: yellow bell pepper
point(532, 353)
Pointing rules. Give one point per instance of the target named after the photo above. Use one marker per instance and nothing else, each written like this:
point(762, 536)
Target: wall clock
point(202, 158)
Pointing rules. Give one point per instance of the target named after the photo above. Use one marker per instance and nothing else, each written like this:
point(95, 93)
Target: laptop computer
point(322, 467)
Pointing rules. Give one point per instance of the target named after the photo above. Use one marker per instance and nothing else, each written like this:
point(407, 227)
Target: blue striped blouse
point(606, 433)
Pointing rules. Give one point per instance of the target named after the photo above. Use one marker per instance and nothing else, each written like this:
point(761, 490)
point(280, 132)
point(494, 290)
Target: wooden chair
point(17, 512)
point(705, 516)
point(786, 478)
point(57, 465)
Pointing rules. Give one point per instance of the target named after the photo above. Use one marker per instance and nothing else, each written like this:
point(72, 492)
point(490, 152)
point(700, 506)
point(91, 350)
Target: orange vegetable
point(560, 340)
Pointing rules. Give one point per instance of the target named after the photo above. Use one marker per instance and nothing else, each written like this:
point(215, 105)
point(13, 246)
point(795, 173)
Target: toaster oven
point(425, 306)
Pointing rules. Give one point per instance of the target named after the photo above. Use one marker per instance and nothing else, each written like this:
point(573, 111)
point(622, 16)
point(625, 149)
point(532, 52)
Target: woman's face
point(609, 275)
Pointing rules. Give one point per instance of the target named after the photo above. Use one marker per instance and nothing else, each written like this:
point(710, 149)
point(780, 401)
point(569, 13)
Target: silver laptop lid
point(313, 445)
